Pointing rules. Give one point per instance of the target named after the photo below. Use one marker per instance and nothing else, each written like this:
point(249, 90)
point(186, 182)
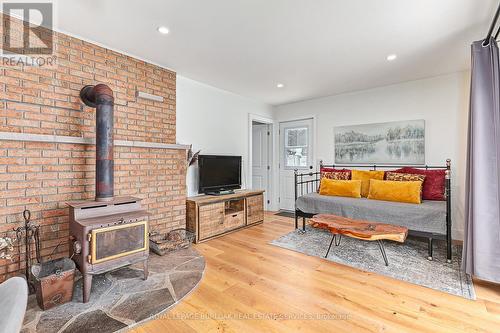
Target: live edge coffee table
point(365, 230)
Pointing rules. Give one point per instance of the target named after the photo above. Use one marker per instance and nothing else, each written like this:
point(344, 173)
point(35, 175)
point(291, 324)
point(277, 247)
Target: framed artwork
point(398, 142)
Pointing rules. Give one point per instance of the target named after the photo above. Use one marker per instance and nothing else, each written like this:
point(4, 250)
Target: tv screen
point(219, 173)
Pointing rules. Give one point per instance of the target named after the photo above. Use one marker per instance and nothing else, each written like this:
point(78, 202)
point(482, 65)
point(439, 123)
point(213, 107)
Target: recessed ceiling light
point(280, 85)
point(391, 57)
point(163, 30)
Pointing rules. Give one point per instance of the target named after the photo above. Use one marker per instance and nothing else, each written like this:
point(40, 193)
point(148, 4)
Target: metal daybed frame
point(312, 180)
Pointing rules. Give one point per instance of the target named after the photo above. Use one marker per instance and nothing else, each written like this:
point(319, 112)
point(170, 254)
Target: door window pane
point(296, 137)
point(296, 147)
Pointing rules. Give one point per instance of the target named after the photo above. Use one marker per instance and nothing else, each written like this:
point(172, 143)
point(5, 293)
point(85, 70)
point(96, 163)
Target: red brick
point(23, 153)
point(24, 168)
point(23, 184)
point(23, 201)
point(43, 176)
point(12, 193)
point(11, 160)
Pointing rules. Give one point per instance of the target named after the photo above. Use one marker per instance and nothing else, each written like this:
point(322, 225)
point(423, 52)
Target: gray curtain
point(481, 252)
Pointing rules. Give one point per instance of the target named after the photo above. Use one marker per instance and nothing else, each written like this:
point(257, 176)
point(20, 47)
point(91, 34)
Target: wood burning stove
point(106, 233)
point(106, 236)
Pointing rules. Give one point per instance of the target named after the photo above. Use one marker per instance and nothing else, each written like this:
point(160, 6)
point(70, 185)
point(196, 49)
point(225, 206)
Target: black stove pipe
point(101, 98)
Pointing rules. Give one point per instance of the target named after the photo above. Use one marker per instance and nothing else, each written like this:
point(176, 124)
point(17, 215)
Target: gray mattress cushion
point(429, 216)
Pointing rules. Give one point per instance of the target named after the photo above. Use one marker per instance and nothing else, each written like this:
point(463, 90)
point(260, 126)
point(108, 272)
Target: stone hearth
point(121, 299)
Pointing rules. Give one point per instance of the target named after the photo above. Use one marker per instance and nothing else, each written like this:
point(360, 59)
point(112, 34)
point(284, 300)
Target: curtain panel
point(481, 252)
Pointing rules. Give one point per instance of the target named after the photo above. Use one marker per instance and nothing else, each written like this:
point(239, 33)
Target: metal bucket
point(54, 282)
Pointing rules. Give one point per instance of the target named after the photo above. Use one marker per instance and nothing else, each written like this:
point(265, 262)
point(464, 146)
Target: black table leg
point(333, 238)
point(382, 250)
point(430, 249)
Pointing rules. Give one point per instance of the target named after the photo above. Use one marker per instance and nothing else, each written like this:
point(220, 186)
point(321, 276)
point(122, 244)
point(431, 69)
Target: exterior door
point(296, 152)
point(260, 159)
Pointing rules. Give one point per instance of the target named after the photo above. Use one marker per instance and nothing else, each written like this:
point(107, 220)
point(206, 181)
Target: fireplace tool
point(31, 234)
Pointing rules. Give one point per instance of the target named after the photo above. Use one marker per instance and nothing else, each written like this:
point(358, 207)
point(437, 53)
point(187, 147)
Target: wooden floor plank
point(251, 286)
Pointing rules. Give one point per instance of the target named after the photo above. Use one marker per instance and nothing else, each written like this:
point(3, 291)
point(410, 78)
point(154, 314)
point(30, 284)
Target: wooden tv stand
point(210, 216)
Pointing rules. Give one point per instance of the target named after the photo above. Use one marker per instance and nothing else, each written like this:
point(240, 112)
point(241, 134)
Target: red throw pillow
point(433, 187)
point(335, 170)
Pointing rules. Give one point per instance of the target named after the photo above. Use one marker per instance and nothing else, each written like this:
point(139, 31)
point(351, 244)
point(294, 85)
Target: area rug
point(407, 262)
point(121, 299)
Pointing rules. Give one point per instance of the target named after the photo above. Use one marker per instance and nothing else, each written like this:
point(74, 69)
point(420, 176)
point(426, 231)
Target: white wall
point(442, 101)
point(215, 121)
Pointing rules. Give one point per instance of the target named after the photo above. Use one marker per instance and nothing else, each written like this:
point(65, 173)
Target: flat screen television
point(219, 174)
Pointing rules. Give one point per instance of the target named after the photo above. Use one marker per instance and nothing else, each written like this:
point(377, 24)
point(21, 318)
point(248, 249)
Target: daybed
point(430, 219)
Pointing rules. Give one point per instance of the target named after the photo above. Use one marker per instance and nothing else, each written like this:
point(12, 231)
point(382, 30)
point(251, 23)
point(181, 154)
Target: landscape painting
point(400, 142)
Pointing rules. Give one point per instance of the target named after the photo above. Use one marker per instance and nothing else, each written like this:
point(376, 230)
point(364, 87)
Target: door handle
point(311, 167)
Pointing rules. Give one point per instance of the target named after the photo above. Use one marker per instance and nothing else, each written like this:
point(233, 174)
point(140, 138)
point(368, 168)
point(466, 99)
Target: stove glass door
point(118, 241)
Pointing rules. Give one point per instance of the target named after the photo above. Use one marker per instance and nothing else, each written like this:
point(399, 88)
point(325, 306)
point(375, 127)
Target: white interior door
point(260, 159)
point(296, 152)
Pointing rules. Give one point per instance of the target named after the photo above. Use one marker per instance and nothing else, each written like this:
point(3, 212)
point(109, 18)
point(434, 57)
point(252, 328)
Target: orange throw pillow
point(365, 177)
point(340, 188)
point(393, 190)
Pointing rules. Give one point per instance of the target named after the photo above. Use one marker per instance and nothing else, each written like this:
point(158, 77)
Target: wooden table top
point(202, 199)
point(359, 229)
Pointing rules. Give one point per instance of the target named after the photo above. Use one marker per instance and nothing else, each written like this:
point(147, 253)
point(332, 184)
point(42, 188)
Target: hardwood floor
point(250, 286)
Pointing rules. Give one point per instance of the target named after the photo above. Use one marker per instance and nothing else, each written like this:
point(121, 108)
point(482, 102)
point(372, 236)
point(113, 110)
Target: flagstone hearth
point(121, 299)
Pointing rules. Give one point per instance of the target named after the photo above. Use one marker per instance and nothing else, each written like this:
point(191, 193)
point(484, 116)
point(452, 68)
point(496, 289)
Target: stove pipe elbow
point(101, 98)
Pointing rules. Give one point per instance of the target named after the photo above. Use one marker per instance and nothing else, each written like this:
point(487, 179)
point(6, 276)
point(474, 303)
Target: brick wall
point(42, 176)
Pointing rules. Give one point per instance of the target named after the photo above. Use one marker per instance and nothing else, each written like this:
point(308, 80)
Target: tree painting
point(401, 142)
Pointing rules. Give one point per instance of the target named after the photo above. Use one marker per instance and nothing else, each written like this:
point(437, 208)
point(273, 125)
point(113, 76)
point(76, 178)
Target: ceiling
point(315, 48)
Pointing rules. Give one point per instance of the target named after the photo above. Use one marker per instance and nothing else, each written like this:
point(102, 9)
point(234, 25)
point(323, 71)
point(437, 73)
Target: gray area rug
point(121, 299)
point(407, 262)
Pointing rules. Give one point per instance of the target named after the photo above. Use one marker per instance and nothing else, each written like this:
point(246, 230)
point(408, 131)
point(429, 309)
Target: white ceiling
point(314, 47)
